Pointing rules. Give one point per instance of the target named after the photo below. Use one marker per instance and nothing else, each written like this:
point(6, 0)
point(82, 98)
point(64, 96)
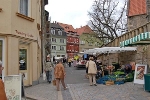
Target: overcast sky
point(72, 12)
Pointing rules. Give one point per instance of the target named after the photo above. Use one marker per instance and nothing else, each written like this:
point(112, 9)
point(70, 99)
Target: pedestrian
point(59, 73)
point(48, 69)
point(92, 71)
point(64, 61)
point(2, 89)
point(54, 59)
point(69, 62)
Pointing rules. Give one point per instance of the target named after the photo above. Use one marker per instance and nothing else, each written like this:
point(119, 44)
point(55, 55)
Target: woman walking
point(92, 71)
point(48, 70)
point(59, 73)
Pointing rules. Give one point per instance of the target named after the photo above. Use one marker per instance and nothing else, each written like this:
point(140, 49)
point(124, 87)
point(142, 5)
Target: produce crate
point(119, 82)
point(109, 82)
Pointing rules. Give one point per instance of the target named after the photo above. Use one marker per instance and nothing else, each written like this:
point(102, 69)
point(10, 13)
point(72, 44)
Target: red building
point(72, 40)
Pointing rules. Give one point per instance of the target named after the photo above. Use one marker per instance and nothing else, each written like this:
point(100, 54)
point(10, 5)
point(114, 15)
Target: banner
point(140, 70)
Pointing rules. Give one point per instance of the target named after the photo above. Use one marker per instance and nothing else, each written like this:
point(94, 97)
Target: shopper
point(2, 89)
point(48, 69)
point(92, 71)
point(59, 73)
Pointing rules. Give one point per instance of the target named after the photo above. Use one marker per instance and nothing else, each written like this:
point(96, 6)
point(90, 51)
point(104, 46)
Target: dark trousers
point(49, 76)
point(69, 64)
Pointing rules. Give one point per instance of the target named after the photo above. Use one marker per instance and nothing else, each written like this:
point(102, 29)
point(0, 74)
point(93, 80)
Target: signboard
point(13, 87)
point(140, 70)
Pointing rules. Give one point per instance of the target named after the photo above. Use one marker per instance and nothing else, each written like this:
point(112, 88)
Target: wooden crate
point(109, 83)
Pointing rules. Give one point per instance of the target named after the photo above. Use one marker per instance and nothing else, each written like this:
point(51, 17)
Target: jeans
point(49, 76)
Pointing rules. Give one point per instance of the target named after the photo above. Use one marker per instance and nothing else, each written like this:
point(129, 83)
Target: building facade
point(72, 45)
point(138, 13)
point(88, 39)
point(58, 40)
point(20, 41)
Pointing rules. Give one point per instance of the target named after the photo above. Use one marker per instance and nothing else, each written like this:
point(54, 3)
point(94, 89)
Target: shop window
point(23, 59)
point(24, 7)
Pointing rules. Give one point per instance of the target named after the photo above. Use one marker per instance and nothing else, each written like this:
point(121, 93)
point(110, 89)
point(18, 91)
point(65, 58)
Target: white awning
point(110, 50)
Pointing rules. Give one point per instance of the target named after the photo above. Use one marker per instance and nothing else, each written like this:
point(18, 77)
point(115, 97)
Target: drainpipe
point(43, 33)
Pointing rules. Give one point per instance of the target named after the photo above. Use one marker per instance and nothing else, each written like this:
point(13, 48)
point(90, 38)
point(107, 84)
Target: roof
point(84, 29)
point(56, 25)
point(136, 7)
point(67, 27)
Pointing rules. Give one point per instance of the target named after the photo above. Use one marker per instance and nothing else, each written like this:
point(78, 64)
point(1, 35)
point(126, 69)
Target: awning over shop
point(141, 39)
point(109, 50)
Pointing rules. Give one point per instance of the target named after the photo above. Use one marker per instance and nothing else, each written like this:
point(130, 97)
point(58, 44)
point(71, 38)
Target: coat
point(48, 66)
point(59, 71)
point(91, 65)
point(2, 91)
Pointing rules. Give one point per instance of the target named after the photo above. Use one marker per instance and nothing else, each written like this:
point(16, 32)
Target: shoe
point(49, 82)
point(65, 88)
point(95, 84)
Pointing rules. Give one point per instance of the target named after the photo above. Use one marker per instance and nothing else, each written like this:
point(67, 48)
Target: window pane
point(23, 59)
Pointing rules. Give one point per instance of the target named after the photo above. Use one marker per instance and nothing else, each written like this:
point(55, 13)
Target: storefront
point(21, 54)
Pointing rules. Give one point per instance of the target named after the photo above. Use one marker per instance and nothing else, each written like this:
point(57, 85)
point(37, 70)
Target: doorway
point(2, 57)
point(24, 63)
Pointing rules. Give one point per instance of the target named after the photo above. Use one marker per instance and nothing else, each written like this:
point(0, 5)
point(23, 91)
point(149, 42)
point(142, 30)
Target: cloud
point(72, 12)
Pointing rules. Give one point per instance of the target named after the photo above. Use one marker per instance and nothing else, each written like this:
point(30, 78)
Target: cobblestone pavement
point(127, 91)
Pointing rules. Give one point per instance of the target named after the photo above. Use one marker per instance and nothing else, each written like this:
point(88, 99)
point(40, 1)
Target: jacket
point(48, 66)
point(91, 65)
point(2, 91)
point(59, 71)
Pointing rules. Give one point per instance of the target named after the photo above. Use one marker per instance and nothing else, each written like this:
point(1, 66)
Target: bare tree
point(107, 17)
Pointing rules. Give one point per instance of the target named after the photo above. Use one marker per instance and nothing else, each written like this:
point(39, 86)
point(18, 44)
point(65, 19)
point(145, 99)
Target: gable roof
point(136, 7)
point(83, 29)
point(67, 27)
point(56, 25)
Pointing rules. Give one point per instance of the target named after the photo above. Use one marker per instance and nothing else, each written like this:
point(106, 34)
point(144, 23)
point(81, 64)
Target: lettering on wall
point(24, 34)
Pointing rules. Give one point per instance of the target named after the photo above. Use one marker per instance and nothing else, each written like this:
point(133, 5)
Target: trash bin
point(147, 82)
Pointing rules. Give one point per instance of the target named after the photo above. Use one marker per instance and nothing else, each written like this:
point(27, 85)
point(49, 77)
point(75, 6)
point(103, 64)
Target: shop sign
point(24, 34)
point(140, 70)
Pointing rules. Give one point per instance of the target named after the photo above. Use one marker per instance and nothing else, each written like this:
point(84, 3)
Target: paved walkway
point(127, 91)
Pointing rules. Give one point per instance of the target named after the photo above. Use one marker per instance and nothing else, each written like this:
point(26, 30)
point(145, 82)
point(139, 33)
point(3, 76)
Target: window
point(59, 32)
point(53, 31)
point(61, 48)
point(90, 44)
point(53, 47)
point(24, 7)
point(61, 40)
point(53, 39)
point(82, 42)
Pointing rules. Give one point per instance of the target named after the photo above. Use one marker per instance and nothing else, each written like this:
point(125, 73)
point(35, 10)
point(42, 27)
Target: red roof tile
point(83, 29)
point(136, 7)
point(67, 27)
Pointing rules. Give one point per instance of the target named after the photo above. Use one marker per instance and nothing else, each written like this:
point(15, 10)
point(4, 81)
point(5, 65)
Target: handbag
point(44, 76)
point(87, 68)
point(54, 82)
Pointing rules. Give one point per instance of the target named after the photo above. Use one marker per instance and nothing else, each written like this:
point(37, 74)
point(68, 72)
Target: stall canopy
point(141, 39)
point(110, 50)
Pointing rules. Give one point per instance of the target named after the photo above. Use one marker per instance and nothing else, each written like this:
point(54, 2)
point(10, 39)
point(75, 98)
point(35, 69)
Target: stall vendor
point(127, 69)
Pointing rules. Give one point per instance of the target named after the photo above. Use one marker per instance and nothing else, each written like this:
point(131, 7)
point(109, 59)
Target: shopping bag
point(44, 76)
point(54, 82)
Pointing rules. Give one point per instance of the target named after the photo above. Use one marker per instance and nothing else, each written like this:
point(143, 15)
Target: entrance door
point(2, 56)
point(24, 63)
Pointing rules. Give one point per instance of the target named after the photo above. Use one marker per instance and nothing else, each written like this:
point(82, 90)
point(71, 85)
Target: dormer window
point(59, 32)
